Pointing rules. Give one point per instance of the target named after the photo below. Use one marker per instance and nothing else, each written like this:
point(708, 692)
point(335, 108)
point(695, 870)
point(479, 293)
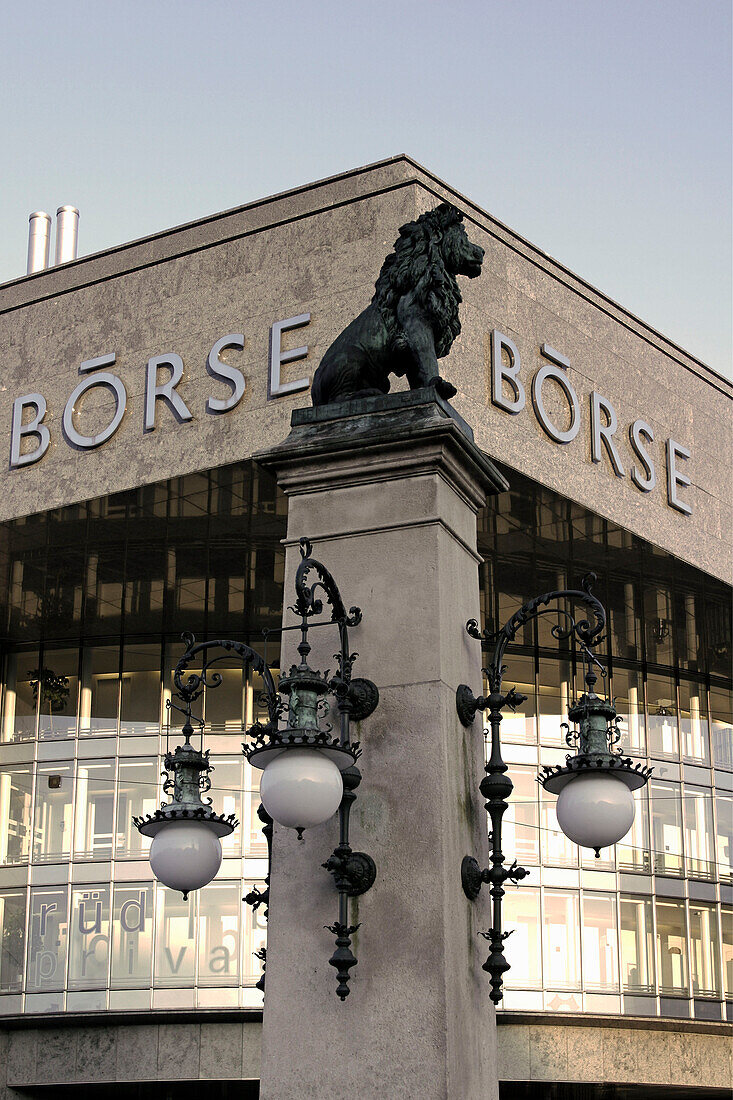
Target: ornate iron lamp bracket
point(496, 786)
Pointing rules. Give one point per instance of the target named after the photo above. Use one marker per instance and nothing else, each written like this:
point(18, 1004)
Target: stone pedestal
point(387, 491)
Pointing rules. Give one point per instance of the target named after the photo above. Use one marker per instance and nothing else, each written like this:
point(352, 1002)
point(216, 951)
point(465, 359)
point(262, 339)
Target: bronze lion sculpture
point(412, 320)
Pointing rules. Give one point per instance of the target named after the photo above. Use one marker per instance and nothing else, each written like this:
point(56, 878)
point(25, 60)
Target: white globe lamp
point(185, 855)
point(595, 810)
point(301, 788)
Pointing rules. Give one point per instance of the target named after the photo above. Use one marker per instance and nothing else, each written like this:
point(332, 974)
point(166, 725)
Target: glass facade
point(641, 930)
point(99, 594)
point(95, 599)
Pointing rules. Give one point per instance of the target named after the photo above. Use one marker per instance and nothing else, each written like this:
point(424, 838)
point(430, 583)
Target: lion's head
point(427, 256)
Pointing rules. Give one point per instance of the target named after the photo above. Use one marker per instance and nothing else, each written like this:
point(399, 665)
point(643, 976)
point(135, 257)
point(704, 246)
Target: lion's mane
point(417, 265)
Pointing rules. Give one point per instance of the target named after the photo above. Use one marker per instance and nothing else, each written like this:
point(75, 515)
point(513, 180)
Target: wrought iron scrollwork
point(496, 786)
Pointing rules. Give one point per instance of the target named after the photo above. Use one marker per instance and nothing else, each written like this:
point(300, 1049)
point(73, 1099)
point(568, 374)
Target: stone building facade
point(137, 384)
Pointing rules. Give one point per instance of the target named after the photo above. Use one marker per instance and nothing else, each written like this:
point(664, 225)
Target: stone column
point(387, 491)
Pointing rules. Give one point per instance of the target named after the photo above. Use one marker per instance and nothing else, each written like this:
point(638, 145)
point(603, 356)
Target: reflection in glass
point(175, 938)
point(521, 832)
point(47, 939)
point(662, 712)
point(95, 799)
point(724, 835)
point(671, 947)
point(52, 821)
point(16, 790)
point(132, 936)
point(600, 945)
point(140, 705)
point(220, 907)
point(694, 723)
point(89, 937)
point(561, 940)
point(555, 689)
point(666, 827)
point(100, 690)
point(628, 695)
point(137, 796)
point(522, 917)
point(637, 945)
point(704, 950)
point(12, 940)
point(20, 701)
point(520, 727)
point(721, 716)
point(699, 837)
point(56, 686)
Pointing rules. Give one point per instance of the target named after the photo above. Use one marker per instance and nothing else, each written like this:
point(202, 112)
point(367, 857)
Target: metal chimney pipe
point(67, 229)
point(39, 241)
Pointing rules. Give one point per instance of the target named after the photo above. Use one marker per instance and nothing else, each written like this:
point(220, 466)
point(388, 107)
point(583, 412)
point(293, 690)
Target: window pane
point(704, 950)
point(634, 851)
point(254, 842)
point(724, 814)
point(16, 790)
point(699, 839)
point(226, 796)
point(137, 795)
point(624, 605)
point(562, 942)
point(220, 906)
point(637, 945)
point(89, 937)
point(52, 823)
point(12, 940)
point(522, 918)
point(520, 727)
point(255, 937)
point(694, 723)
point(225, 703)
point(662, 712)
point(727, 925)
point(557, 850)
point(671, 947)
point(47, 939)
point(175, 938)
point(56, 685)
point(721, 715)
point(100, 690)
point(521, 832)
point(132, 936)
point(658, 622)
point(19, 697)
point(555, 688)
point(600, 944)
point(140, 706)
point(629, 698)
point(666, 827)
point(95, 798)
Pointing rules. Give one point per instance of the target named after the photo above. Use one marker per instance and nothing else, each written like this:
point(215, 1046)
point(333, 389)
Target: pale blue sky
point(598, 129)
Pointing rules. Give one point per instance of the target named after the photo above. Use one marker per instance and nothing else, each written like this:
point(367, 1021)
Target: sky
point(600, 130)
